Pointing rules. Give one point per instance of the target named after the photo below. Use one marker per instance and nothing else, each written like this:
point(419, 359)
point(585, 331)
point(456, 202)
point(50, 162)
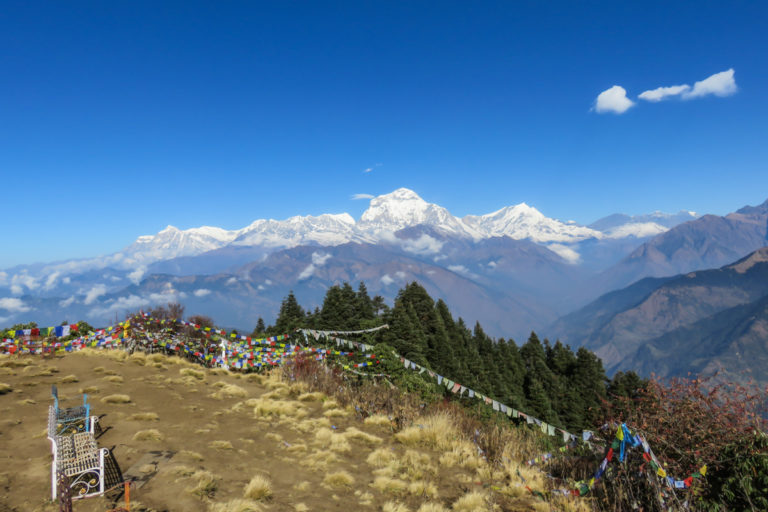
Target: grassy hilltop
point(248, 442)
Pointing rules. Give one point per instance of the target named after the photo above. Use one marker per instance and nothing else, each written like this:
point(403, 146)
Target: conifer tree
point(290, 317)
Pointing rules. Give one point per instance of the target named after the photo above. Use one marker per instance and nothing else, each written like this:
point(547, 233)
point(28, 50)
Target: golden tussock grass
point(336, 413)
point(89, 390)
point(139, 358)
point(570, 504)
point(236, 505)
point(205, 484)
point(339, 479)
point(116, 399)
point(5, 388)
point(276, 394)
point(297, 447)
point(319, 460)
point(144, 416)
point(114, 378)
point(230, 391)
point(15, 363)
point(26, 401)
point(462, 454)
point(221, 445)
point(189, 454)
point(7, 371)
point(259, 488)
point(359, 435)
point(254, 377)
point(330, 404)
point(69, 379)
point(378, 420)
point(393, 506)
point(423, 488)
point(278, 408)
point(472, 502)
point(311, 397)
point(417, 464)
point(301, 507)
point(98, 369)
point(326, 438)
point(432, 507)
point(389, 484)
point(272, 436)
point(191, 372)
point(148, 435)
point(436, 431)
point(381, 457)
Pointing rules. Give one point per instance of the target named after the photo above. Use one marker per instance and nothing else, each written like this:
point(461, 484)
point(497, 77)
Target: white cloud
point(231, 281)
point(67, 302)
point(318, 260)
point(202, 292)
point(94, 293)
point(720, 84)
point(367, 170)
point(492, 264)
point(3, 278)
point(13, 305)
point(423, 245)
point(16, 289)
point(137, 274)
point(51, 281)
point(461, 269)
point(565, 252)
point(386, 280)
point(400, 274)
point(66, 280)
point(267, 282)
point(23, 279)
point(363, 196)
point(261, 287)
point(613, 100)
point(661, 93)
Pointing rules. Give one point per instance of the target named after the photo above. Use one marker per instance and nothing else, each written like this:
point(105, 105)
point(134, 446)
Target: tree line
point(551, 381)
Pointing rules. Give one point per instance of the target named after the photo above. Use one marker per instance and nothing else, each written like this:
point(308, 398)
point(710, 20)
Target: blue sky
point(118, 118)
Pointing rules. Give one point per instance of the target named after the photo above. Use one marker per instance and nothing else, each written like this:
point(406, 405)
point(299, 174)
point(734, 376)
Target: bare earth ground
point(302, 451)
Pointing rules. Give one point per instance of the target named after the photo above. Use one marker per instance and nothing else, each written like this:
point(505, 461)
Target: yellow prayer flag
point(703, 470)
point(620, 434)
point(662, 473)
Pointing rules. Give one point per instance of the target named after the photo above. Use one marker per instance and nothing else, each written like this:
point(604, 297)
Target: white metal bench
point(79, 458)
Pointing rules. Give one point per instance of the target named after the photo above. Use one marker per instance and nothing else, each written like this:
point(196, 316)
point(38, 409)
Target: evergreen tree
point(260, 330)
point(290, 317)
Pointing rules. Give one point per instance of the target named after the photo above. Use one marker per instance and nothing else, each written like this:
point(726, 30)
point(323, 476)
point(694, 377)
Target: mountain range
point(514, 270)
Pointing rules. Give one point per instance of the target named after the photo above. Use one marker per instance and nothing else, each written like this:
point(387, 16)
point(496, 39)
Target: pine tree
point(290, 317)
point(260, 330)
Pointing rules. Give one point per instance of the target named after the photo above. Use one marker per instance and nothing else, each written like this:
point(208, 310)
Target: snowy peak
point(325, 229)
point(172, 242)
point(620, 225)
point(522, 221)
point(404, 208)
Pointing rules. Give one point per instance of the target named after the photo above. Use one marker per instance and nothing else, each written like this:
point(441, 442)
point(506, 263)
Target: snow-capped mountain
point(620, 225)
point(525, 222)
point(404, 208)
point(327, 229)
point(173, 242)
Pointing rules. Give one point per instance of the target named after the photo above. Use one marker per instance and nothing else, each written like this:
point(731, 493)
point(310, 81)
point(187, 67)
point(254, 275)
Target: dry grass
point(236, 505)
point(221, 445)
point(89, 390)
point(437, 431)
point(69, 379)
point(423, 488)
point(205, 484)
point(339, 479)
point(432, 507)
point(392, 506)
point(26, 401)
point(181, 470)
point(5, 388)
point(116, 399)
point(264, 408)
point(359, 435)
point(15, 363)
point(301, 507)
point(191, 372)
point(230, 391)
point(336, 413)
point(326, 438)
point(148, 435)
point(311, 397)
point(259, 488)
point(472, 502)
point(389, 485)
point(381, 457)
point(114, 378)
point(319, 460)
point(378, 420)
point(139, 358)
point(144, 416)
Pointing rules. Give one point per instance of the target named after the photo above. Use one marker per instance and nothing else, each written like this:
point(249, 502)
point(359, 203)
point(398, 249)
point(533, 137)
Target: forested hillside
point(550, 381)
